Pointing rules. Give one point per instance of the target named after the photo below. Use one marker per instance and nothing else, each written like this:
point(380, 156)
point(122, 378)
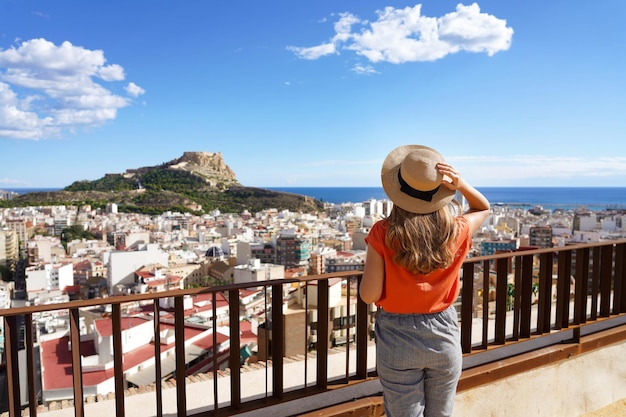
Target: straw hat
point(411, 181)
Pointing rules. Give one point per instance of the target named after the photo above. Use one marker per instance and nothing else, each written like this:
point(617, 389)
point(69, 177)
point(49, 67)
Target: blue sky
point(314, 93)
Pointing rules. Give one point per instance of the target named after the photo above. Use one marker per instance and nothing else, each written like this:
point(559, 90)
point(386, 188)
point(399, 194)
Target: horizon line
point(348, 186)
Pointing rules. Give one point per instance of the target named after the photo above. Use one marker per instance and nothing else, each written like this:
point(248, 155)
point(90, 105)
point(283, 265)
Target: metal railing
point(551, 290)
point(510, 298)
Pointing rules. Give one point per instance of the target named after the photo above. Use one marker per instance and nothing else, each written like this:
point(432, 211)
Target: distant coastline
point(593, 198)
point(31, 190)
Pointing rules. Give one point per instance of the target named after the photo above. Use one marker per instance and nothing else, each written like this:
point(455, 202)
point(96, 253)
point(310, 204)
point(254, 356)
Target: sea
point(550, 198)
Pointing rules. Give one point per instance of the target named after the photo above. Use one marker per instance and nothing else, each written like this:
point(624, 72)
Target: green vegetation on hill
point(158, 189)
point(155, 179)
point(108, 183)
point(166, 179)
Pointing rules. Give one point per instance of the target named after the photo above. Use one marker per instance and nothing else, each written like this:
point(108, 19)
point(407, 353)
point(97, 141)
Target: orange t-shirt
point(406, 292)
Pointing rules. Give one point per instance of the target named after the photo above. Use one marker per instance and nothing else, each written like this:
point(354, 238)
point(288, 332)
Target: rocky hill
point(207, 165)
point(196, 182)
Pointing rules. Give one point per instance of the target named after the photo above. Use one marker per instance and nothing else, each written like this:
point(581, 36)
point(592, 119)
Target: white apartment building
point(244, 252)
point(317, 262)
point(40, 249)
point(358, 239)
point(585, 236)
point(49, 277)
point(256, 271)
point(19, 226)
point(111, 208)
point(6, 294)
point(61, 222)
point(122, 266)
point(588, 222)
point(9, 249)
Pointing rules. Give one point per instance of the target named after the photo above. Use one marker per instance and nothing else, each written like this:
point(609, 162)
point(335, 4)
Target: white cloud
point(314, 52)
point(364, 69)
point(474, 31)
point(134, 90)
point(343, 27)
point(404, 35)
point(15, 119)
point(111, 73)
point(539, 169)
point(45, 88)
point(340, 162)
point(480, 171)
point(10, 182)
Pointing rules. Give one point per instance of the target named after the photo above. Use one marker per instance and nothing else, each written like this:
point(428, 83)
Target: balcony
point(520, 312)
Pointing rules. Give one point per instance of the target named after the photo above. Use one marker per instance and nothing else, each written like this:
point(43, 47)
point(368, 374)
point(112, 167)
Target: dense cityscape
point(61, 253)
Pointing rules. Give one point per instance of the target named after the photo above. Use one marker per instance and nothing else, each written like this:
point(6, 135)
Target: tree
point(74, 232)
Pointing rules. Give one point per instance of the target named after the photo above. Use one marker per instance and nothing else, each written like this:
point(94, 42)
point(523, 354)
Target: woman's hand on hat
point(451, 177)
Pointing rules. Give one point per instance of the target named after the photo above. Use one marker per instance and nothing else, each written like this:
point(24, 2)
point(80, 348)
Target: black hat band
point(408, 190)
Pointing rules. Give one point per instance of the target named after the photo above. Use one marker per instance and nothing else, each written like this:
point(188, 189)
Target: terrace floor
point(617, 409)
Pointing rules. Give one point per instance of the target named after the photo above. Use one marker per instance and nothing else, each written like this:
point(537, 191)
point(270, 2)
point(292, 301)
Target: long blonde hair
point(422, 242)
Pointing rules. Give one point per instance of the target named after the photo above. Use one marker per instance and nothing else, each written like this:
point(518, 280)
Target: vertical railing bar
point(517, 295)
point(545, 292)
point(322, 333)
point(77, 370)
point(234, 362)
point(12, 365)
point(267, 341)
point(620, 279)
point(606, 266)
point(486, 283)
point(30, 364)
point(567, 287)
point(547, 325)
point(349, 327)
point(501, 297)
point(527, 295)
point(564, 272)
point(157, 358)
point(581, 284)
point(179, 346)
point(118, 366)
point(467, 307)
point(307, 332)
point(526, 266)
point(541, 311)
point(595, 282)
point(558, 322)
point(617, 279)
point(215, 351)
point(362, 333)
point(278, 341)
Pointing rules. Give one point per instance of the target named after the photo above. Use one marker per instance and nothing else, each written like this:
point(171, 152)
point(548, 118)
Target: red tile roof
point(105, 326)
point(56, 358)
